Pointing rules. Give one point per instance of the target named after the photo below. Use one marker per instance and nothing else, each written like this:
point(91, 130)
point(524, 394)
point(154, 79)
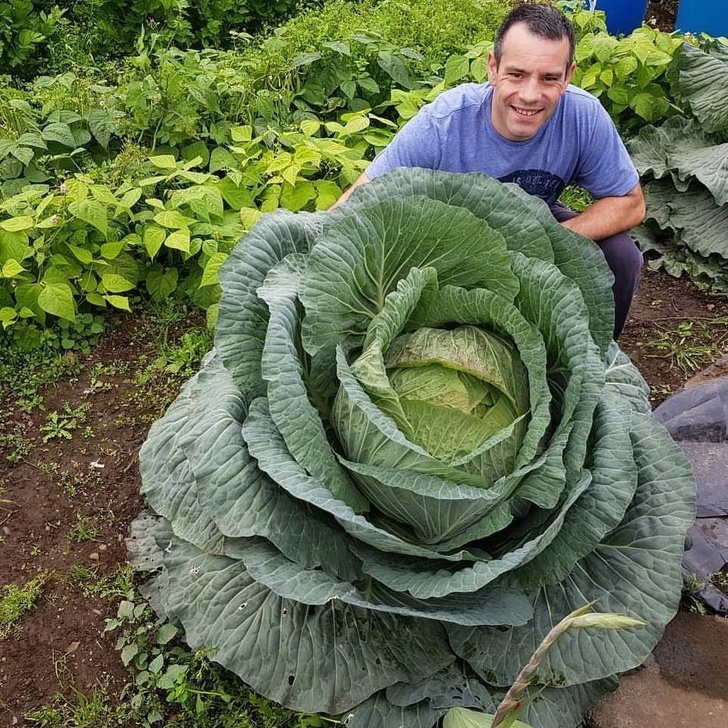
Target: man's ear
point(570, 73)
point(492, 67)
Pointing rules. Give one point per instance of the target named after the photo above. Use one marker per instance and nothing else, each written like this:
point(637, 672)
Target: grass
point(691, 345)
point(17, 600)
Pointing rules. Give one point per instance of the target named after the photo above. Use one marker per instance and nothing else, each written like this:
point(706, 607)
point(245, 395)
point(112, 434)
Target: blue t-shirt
point(579, 144)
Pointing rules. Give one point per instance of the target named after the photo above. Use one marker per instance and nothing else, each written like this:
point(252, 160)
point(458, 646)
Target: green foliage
point(25, 31)
point(84, 529)
point(631, 75)
point(684, 177)
point(85, 244)
point(170, 678)
point(134, 183)
point(115, 29)
point(15, 601)
point(60, 425)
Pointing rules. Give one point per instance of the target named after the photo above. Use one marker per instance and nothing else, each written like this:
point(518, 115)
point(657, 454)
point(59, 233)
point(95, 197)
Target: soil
point(661, 14)
point(60, 645)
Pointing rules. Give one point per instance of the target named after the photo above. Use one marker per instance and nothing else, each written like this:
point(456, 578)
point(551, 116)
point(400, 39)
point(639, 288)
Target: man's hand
point(610, 215)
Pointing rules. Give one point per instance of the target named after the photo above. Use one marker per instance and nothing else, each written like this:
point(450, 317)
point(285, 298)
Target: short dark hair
point(544, 21)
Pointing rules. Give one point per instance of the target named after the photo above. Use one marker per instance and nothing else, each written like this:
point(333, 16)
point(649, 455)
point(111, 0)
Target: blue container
point(623, 16)
point(703, 16)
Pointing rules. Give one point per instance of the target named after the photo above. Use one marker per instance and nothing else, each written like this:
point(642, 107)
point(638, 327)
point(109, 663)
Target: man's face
point(528, 82)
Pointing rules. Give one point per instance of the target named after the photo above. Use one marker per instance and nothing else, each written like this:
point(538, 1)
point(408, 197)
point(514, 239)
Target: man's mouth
point(525, 112)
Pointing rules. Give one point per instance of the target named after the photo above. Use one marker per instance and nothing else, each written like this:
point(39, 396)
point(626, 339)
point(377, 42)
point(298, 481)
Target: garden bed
point(66, 503)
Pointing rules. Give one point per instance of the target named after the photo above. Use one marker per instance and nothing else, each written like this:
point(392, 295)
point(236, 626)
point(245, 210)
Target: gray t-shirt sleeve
point(416, 144)
point(605, 167)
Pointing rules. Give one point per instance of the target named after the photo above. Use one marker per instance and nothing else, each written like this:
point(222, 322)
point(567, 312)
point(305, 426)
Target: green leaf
point(17, 224)
point(114, 283)
point(109, 251)
point(93, 212)
point(295, 197)
point(327, 193)
point(178, 240)
point(166, 633)
point(210, 275)
point(57, 299)
point(101, 124)
point(59, 133)
point(121, 302)
point(153, 240)
point(11, 268)
point(161, 283)
point(304, 59)
point(82, 254)
point(164, 161)
point(456, 67)
point(128, 653)
point(173, 219)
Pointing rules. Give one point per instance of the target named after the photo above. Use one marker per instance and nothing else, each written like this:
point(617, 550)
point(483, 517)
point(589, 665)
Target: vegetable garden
point(129, 169)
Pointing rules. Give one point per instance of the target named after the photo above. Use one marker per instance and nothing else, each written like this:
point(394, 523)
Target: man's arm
point(610, 215)
point(362, 179)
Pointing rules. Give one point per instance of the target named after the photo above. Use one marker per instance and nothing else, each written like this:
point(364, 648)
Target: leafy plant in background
point(684, 171)
point(85, 245)
point(630, 75)
point(412, 451)
point(25, 31)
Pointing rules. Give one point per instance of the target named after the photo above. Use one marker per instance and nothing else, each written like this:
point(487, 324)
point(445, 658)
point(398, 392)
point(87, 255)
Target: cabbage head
point(414, 449)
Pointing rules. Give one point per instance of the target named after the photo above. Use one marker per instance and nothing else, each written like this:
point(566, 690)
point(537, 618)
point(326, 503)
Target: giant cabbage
point(412, 451)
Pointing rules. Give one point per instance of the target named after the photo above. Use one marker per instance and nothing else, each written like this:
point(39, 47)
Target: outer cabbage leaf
point(701, 75)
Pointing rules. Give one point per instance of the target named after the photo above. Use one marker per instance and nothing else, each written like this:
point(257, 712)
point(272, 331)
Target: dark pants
point(625, 261)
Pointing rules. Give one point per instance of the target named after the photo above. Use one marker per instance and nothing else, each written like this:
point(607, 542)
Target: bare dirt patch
point(66, 503)
point(65, 508)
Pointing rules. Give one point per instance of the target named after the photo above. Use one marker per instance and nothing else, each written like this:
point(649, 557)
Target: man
point(528, 125)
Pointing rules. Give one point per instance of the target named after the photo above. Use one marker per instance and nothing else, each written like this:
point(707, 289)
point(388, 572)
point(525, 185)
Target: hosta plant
point(412, 451)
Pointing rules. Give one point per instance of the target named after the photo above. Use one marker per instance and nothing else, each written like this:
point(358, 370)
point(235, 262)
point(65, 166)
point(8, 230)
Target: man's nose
point(530, 90)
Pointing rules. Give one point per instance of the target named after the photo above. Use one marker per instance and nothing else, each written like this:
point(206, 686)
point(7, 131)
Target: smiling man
point(530, 126)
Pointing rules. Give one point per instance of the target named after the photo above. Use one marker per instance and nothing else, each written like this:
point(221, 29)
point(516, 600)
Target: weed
point(62, 425)
point(101, 369)
point(720, 579)
point(17, 600)
point(118, 585)
point(85, 529)
point(691, 345)
point(98, 708)
point(17, 446)
point(690, 600)
point(184, 357)
point(26, 368)
point(167, 676)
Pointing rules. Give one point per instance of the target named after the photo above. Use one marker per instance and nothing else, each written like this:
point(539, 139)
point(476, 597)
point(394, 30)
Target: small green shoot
point(85, 529)
point(17, 600)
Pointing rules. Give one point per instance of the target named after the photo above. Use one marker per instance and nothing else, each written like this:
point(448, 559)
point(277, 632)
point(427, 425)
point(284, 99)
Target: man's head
point(530, 67)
